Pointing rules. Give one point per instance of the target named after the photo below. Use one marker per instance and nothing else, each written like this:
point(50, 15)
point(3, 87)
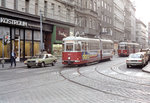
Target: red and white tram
point(79, 50)
point(125, 48)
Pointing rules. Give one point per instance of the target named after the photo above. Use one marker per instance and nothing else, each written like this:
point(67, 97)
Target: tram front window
point(69, 47)
point(122, 47)
point(77, 47)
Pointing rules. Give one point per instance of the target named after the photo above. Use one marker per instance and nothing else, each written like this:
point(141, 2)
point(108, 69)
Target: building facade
point(105, 14)
point(118, 22)
point(141, 34)
point(133, 23)
point(127, 19)
point(149, 34)
point(21, 20)
point(86, 21)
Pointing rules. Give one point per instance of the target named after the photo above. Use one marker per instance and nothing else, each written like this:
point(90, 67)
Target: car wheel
point(128, 66)
point(43, 64)
point(53, 63)
point(28, 66)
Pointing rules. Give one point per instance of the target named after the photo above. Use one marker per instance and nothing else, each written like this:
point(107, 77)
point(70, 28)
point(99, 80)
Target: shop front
point(24, 37)
point(59, 33)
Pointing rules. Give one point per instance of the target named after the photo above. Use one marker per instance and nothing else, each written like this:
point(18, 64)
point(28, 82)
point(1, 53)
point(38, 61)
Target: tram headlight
point(69, 58)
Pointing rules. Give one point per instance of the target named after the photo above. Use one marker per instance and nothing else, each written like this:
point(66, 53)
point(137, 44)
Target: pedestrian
point(114, 51)
point(13, 59)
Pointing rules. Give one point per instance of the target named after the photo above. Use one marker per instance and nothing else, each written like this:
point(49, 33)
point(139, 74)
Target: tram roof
point(128, 43)
point(82, 38)
point(104, 40)
point(77, 38)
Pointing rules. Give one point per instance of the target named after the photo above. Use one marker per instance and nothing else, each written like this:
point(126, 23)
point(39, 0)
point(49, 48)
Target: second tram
point(125, 48)
point(79, 50)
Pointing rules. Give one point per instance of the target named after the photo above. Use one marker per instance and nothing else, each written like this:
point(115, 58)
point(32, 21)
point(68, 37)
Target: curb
point(146, 68)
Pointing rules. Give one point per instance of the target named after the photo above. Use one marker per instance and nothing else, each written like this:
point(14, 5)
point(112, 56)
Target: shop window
point(28, 49)
point(6, 50)
point(36, 48)
point(57, 49)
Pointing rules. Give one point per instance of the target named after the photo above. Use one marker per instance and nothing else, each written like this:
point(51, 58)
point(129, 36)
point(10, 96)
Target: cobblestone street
point(104, 82)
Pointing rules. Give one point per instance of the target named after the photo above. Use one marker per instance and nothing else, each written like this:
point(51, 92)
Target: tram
point(80, 50)
point(125, 48)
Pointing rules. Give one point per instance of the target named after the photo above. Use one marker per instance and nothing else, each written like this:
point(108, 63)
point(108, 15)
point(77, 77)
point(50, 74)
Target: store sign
point(13, 22)
point(61, 33)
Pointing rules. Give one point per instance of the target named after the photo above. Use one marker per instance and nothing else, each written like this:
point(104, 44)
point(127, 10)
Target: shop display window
point(28, 49)
point(6, 50)
point(57, 48)
point(36, 48)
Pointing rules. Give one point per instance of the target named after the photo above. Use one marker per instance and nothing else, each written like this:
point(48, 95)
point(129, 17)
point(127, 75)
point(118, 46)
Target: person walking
point(13, 59)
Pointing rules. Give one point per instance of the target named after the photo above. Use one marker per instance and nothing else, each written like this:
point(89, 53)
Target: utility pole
point(41, 31)
point(3, 51)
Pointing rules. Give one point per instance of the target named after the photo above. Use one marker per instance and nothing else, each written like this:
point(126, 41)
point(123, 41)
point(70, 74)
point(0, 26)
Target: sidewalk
point(146, 68)
point(19, 65)
point(7, 65)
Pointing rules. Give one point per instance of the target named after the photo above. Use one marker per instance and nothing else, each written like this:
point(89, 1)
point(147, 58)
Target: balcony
point(67, 2)
point(90, 31)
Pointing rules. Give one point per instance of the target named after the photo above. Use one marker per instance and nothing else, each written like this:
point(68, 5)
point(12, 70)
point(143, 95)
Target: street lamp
point(41, 31)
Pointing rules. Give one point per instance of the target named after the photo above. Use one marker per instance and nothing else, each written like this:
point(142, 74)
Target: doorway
point(16, 47)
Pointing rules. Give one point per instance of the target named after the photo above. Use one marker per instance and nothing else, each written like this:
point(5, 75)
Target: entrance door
point(16, 46)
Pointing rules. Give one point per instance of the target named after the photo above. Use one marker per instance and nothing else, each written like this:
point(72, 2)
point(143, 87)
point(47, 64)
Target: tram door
point(16, 47)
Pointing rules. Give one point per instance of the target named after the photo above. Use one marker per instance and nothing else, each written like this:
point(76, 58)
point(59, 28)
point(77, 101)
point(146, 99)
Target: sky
point(142, 10)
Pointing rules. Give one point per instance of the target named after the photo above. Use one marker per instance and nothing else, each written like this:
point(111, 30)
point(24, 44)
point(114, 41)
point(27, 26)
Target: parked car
point(147, 51)
point(137, 59)
point(41, 60)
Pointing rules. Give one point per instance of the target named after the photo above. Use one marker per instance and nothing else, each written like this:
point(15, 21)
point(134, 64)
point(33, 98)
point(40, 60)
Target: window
point(90, 23)
point(68, 15)
point(69, 47)
point(27, 6)
point(3, 3)
point(102, 3)
point(36, 7)
point(16, 4)
point(59, 10)
point(91, 4)
point(53, 9)
point(45, 8)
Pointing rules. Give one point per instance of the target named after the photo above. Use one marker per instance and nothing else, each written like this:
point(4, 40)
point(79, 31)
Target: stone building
point(118, 21)
point(141, 34)
point(21, 20)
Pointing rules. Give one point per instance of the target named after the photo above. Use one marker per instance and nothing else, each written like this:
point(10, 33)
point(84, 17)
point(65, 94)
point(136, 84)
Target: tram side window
point(69, 47)
point(84, 46)
point(77, 47)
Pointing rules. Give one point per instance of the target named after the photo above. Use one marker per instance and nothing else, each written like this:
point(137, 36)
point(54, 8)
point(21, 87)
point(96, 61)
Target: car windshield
point(38, 56)
point(135, 56)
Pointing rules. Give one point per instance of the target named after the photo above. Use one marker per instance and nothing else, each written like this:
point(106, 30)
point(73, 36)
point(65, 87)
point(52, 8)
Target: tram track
point(100, 90)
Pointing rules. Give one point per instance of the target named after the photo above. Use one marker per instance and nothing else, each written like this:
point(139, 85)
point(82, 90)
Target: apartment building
point(105, 11)
point(118, 21)
point(141, 34)
point(86, 21)
point(21, 20)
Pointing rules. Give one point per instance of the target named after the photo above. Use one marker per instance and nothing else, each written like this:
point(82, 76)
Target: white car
point(137, 59)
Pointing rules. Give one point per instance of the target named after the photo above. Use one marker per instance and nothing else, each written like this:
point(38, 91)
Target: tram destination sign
point(13, 22)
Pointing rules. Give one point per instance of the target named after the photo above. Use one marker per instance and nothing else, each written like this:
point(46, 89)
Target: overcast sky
point(142, 10)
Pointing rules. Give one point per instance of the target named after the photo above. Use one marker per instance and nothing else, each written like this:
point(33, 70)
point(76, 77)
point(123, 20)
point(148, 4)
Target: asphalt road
point(105, 82)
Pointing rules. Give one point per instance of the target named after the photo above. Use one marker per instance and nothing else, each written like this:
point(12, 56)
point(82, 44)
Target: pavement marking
point(75, 73)
point(113, 73)
point(128, 72)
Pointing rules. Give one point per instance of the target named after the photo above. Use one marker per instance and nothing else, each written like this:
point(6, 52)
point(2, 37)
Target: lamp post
point(41, 31)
